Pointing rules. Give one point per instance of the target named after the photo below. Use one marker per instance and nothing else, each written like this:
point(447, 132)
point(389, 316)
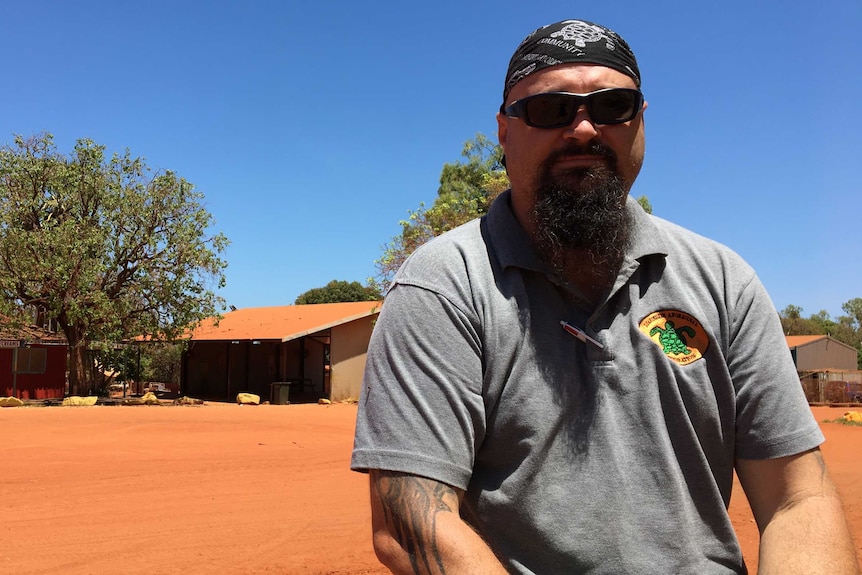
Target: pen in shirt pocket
point(580, 334)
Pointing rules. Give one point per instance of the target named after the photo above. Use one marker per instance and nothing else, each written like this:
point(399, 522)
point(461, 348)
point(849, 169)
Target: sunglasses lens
point(614, 106)
point(551, 110)
point(557, 109)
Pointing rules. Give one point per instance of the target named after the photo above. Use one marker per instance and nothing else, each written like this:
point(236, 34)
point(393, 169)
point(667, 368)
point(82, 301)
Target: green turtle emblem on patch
point(678, 334)
point(673, 340)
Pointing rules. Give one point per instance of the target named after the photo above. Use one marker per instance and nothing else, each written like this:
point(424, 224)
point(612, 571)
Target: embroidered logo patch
point(679, 335)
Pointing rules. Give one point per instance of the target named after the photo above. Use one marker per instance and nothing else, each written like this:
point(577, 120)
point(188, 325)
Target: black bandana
point(570, 41)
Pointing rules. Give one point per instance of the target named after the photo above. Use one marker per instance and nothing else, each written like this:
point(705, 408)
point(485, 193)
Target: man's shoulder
point(690, 244)
point(466, 237)
point(455, 252)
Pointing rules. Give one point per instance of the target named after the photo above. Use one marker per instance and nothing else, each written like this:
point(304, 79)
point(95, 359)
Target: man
point(567, 384)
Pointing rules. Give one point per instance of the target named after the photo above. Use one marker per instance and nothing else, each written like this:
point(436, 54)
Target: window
point(31, 360)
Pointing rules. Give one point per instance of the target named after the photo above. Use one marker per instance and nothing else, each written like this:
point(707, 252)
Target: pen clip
point(580, 334)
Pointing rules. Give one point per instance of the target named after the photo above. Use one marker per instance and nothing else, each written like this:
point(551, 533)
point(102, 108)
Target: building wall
point(290, 367)
point(348, 351)
point(825, 354)
point(205, 370)
point(218, 370)
point(262, 368)
point(48, 385)
point(221, 369)
point(302, 361)
point(315, 364)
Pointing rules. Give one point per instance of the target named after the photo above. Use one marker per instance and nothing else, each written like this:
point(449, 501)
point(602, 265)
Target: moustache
point(548, 170)
point(589, 149)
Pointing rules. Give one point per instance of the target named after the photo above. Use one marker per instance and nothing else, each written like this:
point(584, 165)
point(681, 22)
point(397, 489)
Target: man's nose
point(582, 127)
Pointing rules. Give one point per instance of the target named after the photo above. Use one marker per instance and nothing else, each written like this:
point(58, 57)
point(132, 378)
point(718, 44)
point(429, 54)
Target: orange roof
point(283, 322)
point(799, 340)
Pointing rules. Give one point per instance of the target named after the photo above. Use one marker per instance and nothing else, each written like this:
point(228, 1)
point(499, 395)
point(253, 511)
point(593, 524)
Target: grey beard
point(580, 216)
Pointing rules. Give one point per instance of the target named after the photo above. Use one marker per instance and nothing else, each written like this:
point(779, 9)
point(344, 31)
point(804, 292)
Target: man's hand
point(802, 525)
point(418, 529)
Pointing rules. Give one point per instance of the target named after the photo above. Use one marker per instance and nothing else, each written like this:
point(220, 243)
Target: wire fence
point(832, 386)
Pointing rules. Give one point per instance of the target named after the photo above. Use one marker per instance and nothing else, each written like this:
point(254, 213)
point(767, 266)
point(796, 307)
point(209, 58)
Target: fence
point(832, 386)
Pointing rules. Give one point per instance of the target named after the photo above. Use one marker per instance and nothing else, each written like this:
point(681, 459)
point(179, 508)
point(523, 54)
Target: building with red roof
point(300, 352)
point(827, 368)
point(813, 352)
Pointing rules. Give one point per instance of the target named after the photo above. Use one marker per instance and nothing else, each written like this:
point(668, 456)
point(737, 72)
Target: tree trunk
point(78, 381)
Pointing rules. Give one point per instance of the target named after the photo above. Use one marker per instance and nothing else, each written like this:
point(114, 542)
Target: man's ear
point(502, 129)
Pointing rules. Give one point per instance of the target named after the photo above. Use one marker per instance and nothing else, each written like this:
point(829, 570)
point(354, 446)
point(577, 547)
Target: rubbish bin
point(280, 393)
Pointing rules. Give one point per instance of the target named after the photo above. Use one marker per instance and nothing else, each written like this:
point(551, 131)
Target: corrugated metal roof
point(283, 322)
point(799, 340)
point(32, 334)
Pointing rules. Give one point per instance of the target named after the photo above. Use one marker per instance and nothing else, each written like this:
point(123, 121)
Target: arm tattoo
point(410, 508)
point(819, 456)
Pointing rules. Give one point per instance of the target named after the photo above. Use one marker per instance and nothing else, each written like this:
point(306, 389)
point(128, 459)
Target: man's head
point(571, 128)
point(570, 41)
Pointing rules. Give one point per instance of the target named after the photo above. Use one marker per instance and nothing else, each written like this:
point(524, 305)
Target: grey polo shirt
point(575, 457)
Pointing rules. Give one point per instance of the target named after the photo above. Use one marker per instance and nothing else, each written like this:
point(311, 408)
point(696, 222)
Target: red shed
point(32, 364)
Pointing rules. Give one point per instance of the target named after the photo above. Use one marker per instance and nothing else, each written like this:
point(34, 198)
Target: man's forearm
point(418, 530)
point(799, 512)
point(811, 537)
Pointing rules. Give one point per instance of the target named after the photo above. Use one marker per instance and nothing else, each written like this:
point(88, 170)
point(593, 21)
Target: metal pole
point(15, 372)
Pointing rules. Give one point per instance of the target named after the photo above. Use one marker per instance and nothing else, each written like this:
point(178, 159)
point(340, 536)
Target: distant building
point(812, 352)
point(298, 352)
point(32, 363)
point(827, 368)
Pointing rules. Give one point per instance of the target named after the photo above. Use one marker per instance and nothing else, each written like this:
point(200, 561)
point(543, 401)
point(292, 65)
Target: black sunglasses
point(558, 109)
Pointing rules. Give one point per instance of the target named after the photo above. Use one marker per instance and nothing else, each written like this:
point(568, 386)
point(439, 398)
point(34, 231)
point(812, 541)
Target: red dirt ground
point(224, 489)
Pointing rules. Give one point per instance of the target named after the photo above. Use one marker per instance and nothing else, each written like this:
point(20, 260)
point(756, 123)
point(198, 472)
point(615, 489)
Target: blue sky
point(312, 128)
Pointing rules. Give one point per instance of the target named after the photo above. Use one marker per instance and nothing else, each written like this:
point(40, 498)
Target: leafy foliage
point(466, 191)
point(645, 204)
point(843, 421)
point(340, 291)
point(105, 247)
point(846, 328)
point(159, 361)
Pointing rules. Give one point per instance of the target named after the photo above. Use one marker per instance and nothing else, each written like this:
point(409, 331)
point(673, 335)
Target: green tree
point(162, 361)
point(466, 191)
point(846, 329)
point(159, 361)
point(105, 246)
point(645, 204)
point(853, 319)
point(793, 323)
point(853, 309)
point(840, 329)
point(340, 291)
